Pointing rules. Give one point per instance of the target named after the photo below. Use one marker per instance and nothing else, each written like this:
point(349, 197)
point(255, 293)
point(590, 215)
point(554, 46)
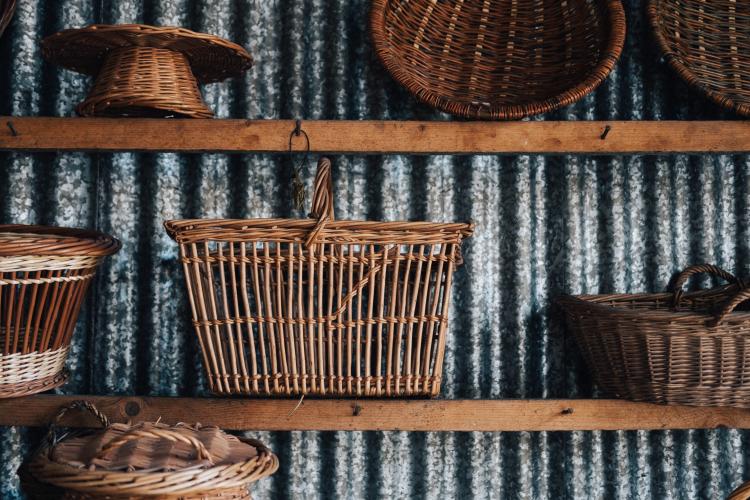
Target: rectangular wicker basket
point(317, 306)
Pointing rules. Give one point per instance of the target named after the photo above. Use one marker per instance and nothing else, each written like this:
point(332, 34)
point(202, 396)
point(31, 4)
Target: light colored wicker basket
point(504, 59)
point(146, 460)
point(146, 70)
point(674, 348)
point(324, 307)
point(44, 275)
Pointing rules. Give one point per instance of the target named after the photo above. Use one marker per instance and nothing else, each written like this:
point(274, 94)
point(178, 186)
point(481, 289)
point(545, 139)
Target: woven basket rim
point(233, 59)
point(225, 478)
point(683, 70)
point(607, 60)
point(55, 241)
point(651, 315)
point(231, 229)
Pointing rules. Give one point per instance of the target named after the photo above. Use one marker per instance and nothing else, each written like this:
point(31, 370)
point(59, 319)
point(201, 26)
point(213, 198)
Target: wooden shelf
point(373, 137)
point(385, 415)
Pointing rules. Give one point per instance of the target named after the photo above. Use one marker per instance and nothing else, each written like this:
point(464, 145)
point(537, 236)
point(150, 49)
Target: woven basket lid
point(154, 459)
point(84, 49)
point(24, 240)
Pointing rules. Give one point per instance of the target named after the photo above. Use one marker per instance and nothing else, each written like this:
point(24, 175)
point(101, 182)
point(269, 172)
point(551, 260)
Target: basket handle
point(51, 437)
point(682, 278)
point(322, 202)
point(168, 434)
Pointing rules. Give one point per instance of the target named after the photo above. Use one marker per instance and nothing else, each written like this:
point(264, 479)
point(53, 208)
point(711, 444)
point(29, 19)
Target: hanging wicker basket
point(674, 348)
point(44, 275)
point(708, 44)
point(498, 60)
point(318, 306)
point(7, 7)
point(146, 460)
point(146, 70)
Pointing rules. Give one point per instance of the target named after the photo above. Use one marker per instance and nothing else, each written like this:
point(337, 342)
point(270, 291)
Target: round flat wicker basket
point(498, 60)
point(708, 44)
point(44, 275)
point(147, 460)
point(674, 348)
point(146, 70)
point(7, 7)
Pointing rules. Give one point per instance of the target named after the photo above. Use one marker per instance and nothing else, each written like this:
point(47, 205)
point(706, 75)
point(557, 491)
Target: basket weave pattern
point(324, 307)
point(708, 44)
point(499, 60)
point(673, 348)
point(44, 275)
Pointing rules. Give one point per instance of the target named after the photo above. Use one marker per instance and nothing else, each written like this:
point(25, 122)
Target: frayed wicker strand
point(7, 7)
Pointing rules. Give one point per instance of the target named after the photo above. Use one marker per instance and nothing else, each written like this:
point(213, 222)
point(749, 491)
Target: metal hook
point(298, 188)
point(12, 129)
point(607, 128)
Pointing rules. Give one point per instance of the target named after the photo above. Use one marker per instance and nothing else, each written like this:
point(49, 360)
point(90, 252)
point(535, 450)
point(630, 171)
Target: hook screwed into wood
point(605, 133)
point(12, 128)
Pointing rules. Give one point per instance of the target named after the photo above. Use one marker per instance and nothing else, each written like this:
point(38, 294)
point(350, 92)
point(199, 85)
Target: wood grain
point(372, 137)
point(384, 415)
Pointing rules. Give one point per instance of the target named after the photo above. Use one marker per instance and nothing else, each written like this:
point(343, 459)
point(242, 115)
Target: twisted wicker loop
point(742, 295)
point(170, 435)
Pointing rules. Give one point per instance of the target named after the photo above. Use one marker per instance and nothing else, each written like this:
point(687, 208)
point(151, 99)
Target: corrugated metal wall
point(545, 225)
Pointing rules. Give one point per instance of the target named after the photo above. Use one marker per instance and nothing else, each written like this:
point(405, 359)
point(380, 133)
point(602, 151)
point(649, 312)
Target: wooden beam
point(384, 415)
point(373, 137)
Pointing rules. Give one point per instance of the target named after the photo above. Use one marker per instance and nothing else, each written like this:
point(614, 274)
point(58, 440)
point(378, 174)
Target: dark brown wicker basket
point(708, 45)
point(503, 60)
point(7, 7)
point(673, 348)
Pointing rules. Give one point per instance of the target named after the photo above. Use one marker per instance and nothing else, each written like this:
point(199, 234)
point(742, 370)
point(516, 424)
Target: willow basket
point(44, 275)
point(146, 460)
point(324, 307)
point(7, 7)
point(675, 348)
point(499, 60)
point(708, 44)
point(143, 70)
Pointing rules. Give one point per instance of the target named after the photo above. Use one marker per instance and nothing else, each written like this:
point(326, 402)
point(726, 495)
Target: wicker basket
point(145, 70)
point(324, 307)
point(44, 275)
point(499, 60)
point(146, 460)
point(7, 7)
point(741, 493)
point(674, 348)
point(708, 44)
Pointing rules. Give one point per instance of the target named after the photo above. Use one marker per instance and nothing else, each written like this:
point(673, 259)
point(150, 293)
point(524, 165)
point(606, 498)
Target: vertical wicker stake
point(320, 306)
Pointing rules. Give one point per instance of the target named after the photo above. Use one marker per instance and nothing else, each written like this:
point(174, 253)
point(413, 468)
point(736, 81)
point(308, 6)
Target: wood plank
point(385, 415)
point(372, 137)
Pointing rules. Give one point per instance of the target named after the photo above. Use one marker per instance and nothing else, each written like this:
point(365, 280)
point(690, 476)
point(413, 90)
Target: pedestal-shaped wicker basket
point(674, 348)
point(44, 275)
point(289, 307)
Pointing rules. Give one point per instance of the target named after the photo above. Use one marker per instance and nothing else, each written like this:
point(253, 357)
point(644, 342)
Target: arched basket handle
point(75, 405)
point(681, 279)
point(168, 434)
point(741, 296)
point(322, 202)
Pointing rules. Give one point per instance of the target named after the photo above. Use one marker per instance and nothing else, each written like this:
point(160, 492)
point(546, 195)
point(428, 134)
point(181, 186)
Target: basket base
point(33, 387)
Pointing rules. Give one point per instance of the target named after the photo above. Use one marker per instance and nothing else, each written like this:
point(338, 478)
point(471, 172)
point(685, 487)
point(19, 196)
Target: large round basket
point(674, 348)
point(44, 275)
point(7, 7)
point(708, 45)
point(498, 60)
point(147, 460)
